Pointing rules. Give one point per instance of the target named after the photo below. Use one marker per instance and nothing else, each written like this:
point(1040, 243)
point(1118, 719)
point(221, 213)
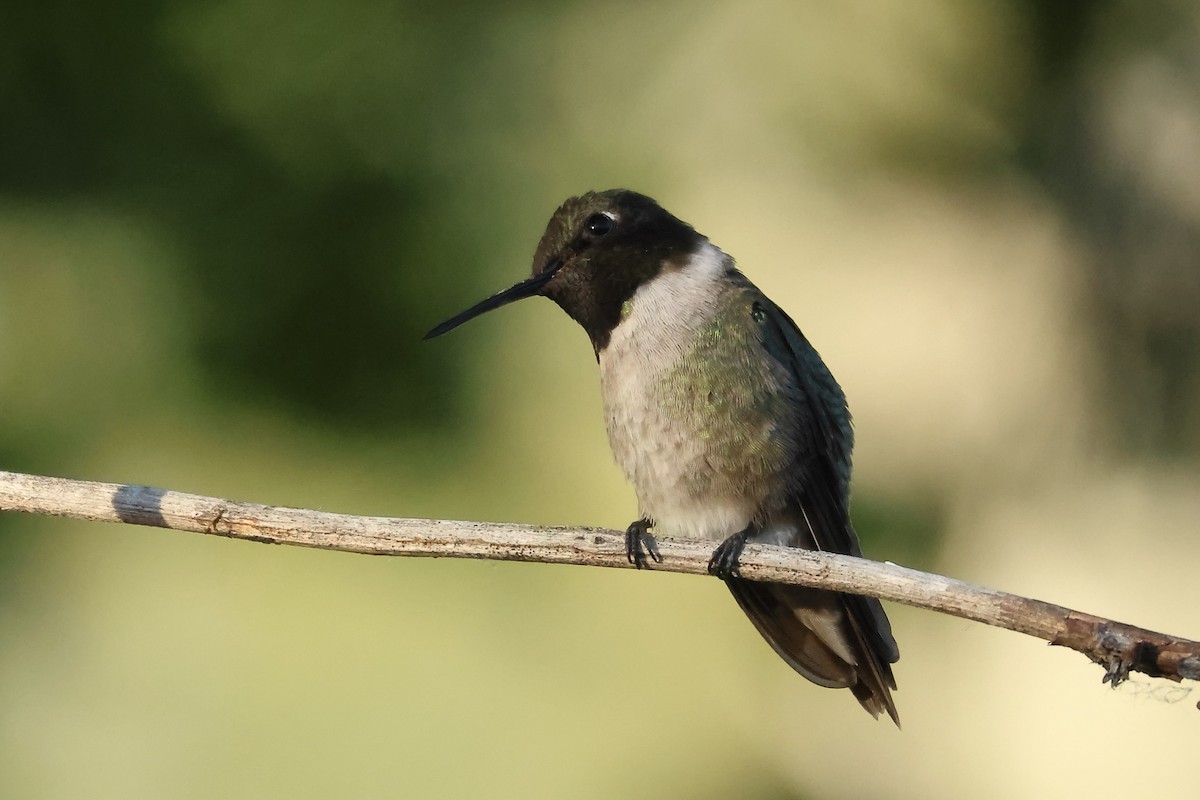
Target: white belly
point(702, 453)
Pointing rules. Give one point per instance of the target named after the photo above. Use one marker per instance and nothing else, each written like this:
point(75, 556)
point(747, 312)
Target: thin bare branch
point(1117, 647)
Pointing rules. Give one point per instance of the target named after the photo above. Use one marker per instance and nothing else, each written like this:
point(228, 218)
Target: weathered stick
point(1117, 647)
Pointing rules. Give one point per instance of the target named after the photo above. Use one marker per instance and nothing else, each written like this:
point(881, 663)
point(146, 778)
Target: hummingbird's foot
point(639, 541)
point(724, 561)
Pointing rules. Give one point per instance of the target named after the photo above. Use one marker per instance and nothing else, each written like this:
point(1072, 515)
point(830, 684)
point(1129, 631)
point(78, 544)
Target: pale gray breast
point(697, 414)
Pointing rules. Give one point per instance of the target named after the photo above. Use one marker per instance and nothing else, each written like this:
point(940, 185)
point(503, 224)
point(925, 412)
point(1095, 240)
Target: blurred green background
point(224, 227)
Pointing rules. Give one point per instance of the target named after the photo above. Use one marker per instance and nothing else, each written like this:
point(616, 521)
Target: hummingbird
point(722, 416)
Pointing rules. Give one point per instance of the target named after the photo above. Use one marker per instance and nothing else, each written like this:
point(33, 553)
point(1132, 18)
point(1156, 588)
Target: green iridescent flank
point(732, 402)
point(626, 308)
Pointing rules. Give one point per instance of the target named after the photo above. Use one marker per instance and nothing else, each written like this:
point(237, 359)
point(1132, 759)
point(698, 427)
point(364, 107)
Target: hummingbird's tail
point(832, 639)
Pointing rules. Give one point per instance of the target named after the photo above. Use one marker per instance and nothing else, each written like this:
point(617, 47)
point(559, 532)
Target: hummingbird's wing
point(832, 639)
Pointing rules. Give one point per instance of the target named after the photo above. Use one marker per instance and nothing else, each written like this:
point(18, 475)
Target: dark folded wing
point(833, 639)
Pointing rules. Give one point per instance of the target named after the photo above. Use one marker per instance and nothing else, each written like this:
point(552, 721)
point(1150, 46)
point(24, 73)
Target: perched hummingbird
point(722, 416)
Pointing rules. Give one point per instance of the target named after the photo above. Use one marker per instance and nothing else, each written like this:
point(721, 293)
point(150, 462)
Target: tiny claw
point(638, 540)
point(725, 559)
point(652, 546)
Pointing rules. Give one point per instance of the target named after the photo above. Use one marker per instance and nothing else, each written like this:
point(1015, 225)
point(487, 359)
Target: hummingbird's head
point(597, 250)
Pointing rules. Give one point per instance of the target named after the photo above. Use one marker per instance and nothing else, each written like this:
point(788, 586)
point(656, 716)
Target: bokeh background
point(224, 227)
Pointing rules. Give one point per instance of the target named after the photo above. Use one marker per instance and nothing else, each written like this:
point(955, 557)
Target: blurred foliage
point(1113, 136)
point(279, 151)
point(225, 226)
point(907, 528)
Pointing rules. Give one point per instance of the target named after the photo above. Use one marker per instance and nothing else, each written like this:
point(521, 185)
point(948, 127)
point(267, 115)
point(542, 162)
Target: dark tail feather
point(832, 639)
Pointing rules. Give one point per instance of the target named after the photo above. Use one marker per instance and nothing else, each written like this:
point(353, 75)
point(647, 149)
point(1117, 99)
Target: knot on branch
point(1122, 649)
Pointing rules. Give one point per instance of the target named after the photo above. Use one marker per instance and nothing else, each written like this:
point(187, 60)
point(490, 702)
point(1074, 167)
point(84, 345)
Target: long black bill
point(526, 288)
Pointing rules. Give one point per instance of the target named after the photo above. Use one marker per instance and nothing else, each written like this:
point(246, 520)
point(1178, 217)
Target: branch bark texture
point(1117, 647)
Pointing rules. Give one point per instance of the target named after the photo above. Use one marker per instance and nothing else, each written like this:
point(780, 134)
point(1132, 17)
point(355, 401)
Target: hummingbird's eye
point(599, 224)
